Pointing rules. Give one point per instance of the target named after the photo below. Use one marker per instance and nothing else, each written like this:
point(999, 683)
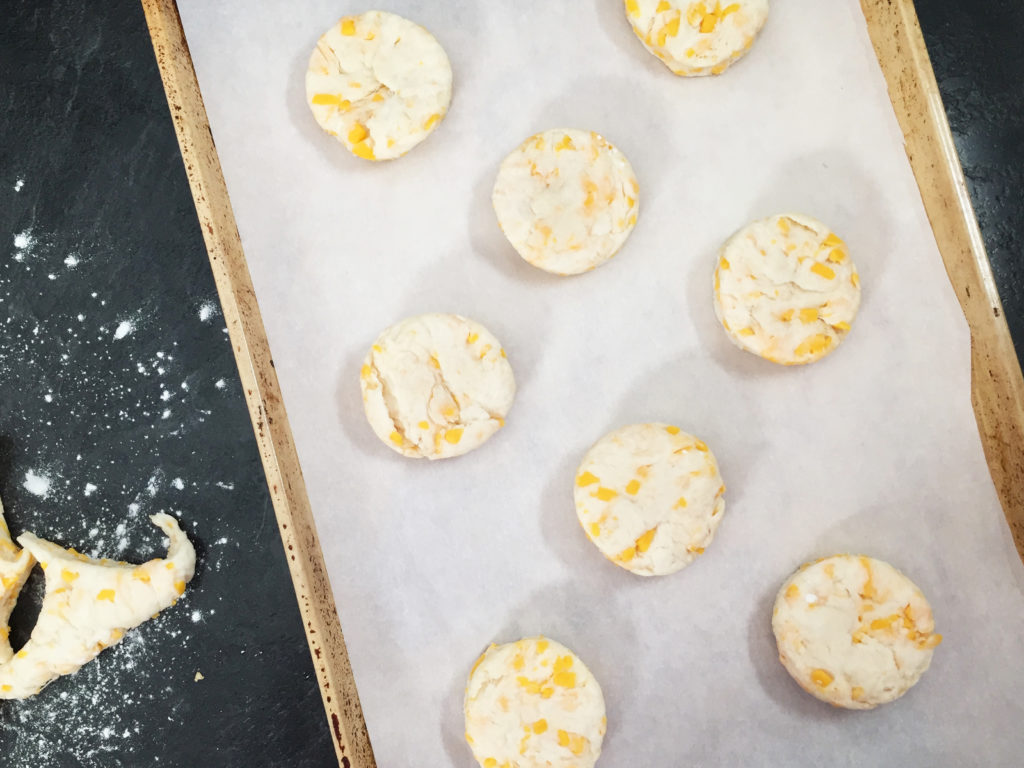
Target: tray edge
point(997, 387)
point(259, 382)
point(996, 380)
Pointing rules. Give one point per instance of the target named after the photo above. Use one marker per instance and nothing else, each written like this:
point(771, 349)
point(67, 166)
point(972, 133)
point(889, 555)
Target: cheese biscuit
point(436, 386)
point(853, 631)
point(650, 497)
point(533, 704)
point(697, 38)
point(566, 200)
point(378, 83)
point(786, 289)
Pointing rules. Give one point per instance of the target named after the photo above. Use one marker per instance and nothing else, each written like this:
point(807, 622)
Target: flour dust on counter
point(80, 356)
point(119, 399)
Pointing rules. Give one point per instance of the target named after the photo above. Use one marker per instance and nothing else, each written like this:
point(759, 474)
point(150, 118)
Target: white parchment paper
point(873, 450)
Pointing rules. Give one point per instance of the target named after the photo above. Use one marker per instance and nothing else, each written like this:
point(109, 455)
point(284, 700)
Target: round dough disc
point(853, 631)
point(436, 386)
point(533, 704)
point(786, 289)
point(697, 38)
point(566, 200)
point(650, 497)
point(378, 83)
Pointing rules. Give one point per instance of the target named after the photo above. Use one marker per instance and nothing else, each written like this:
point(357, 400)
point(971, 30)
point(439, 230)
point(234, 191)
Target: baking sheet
point(873, 450)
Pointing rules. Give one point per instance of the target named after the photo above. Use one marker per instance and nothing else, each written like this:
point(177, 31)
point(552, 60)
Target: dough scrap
point(89, 604)
point(15, 566)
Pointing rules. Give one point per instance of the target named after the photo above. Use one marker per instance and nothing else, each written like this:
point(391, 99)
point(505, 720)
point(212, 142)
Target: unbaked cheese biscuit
point(378, 83)
point(15, 566)
point(786, 289)
point(533, 704)
point(566, 200)
point(89, 604)
point(650, 497)
point(436, 386)
point(853, 631)
point(697, 38)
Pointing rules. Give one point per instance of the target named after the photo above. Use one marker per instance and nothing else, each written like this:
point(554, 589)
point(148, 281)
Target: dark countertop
point(119, 395)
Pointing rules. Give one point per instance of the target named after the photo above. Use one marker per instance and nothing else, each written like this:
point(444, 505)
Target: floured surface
point(873, 449)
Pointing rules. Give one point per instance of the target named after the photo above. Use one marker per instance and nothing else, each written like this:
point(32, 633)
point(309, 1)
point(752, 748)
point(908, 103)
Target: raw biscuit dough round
point(378, 83)
point(533, 704)
point(786, 289)
point(650, 497)
point(436, 386)
point(853, 631)
point(566, 200)
point(697, 38)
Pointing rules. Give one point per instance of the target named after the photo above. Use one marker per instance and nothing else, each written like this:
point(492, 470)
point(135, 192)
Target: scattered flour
point(39, 485)
point(207, 310)
point(226, 486)
point(220, 383)
point(123, 329)
point(121, 392)
point(18, 185)
point(153, 485)
point(23, 241)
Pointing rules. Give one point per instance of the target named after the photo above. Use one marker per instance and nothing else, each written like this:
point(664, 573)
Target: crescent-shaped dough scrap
point(15, 566)
point(89, 604)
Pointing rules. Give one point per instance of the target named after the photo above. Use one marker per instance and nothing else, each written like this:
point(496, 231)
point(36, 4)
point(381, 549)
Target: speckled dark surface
point(116, 372)
point(118, 391)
